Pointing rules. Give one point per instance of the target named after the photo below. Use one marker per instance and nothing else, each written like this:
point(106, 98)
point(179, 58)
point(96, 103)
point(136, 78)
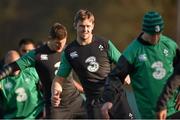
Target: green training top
point(27, 60)
point(20, 98)
point(153, 65)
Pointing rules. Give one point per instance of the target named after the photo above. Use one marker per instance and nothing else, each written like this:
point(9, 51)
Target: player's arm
point(30, 59)
point(175, 64)
point(177, 57)
point(114, 82)
point(78, 86)
point(172, 84)
point(113, 52)
point(56, 88)
point(73, 77)
point(114, 55)
point(20, 64)
point(27, 60)
point(116, 78)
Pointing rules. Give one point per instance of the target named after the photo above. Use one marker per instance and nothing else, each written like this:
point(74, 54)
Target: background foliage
point(118, 20)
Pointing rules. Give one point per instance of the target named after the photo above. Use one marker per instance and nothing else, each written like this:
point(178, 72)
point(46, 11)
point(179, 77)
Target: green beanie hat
point(152, 23)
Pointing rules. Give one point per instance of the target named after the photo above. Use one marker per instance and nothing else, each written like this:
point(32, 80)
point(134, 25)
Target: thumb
point(163, 116)
point(56, 93)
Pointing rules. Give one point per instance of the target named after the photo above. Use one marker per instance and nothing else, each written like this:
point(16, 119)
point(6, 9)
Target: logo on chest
point(74, 54)
point(43, 57)
point(8, 85)
point(142, 57)
point(93, 65)
point(27, 80)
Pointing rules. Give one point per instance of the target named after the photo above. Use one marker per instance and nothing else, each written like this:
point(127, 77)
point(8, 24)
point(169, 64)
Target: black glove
point(8, 69)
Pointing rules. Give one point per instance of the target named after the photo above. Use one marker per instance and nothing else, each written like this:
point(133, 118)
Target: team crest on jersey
point(101, 47)
point(165, 52)
point(44, 57)
point(142, 57)
point(74, 54)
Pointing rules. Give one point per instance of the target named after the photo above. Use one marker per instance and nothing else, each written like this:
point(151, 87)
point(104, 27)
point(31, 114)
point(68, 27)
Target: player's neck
point(149, 39)
point(84, 41)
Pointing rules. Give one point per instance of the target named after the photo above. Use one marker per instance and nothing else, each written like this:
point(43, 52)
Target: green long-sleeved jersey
point(20, 97)
point(149, 67)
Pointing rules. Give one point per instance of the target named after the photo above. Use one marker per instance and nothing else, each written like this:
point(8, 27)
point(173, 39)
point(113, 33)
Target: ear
point(75, 26)
point(93, 25)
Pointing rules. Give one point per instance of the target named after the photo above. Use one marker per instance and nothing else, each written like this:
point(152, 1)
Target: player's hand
point(127, 80)
point(1, 75)
point(105, 108)
point(55, 99)
point(162, 114)
point(178, 102)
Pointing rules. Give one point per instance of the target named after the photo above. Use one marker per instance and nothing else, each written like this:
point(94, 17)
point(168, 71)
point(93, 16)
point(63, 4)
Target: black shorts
point(75, 110)
point(93, 107)
point(40, 115)
point(174, 116)
point(121, 108)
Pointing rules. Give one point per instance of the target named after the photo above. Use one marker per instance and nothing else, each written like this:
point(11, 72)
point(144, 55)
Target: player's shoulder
point(100, 39)
point(96, 39)
point(29, 70)
point(168, 41)
point(71, 45)
point(134, 45)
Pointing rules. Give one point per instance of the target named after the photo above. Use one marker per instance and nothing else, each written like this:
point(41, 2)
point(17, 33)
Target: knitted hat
point(152, 23)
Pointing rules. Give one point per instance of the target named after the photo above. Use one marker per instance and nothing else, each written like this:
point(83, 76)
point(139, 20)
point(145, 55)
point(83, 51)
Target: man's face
point(153, 39)
point(58, 45)
point(25, 48)
point(84, 29)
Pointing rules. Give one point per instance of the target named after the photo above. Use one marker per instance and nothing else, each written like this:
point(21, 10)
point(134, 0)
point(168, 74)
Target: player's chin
point(59, 50)
point(84, 36)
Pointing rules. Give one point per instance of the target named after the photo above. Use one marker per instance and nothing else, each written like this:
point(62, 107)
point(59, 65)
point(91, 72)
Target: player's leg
point(78, 108)
point(174, 116)
point(62, 112)
point(121, 108)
